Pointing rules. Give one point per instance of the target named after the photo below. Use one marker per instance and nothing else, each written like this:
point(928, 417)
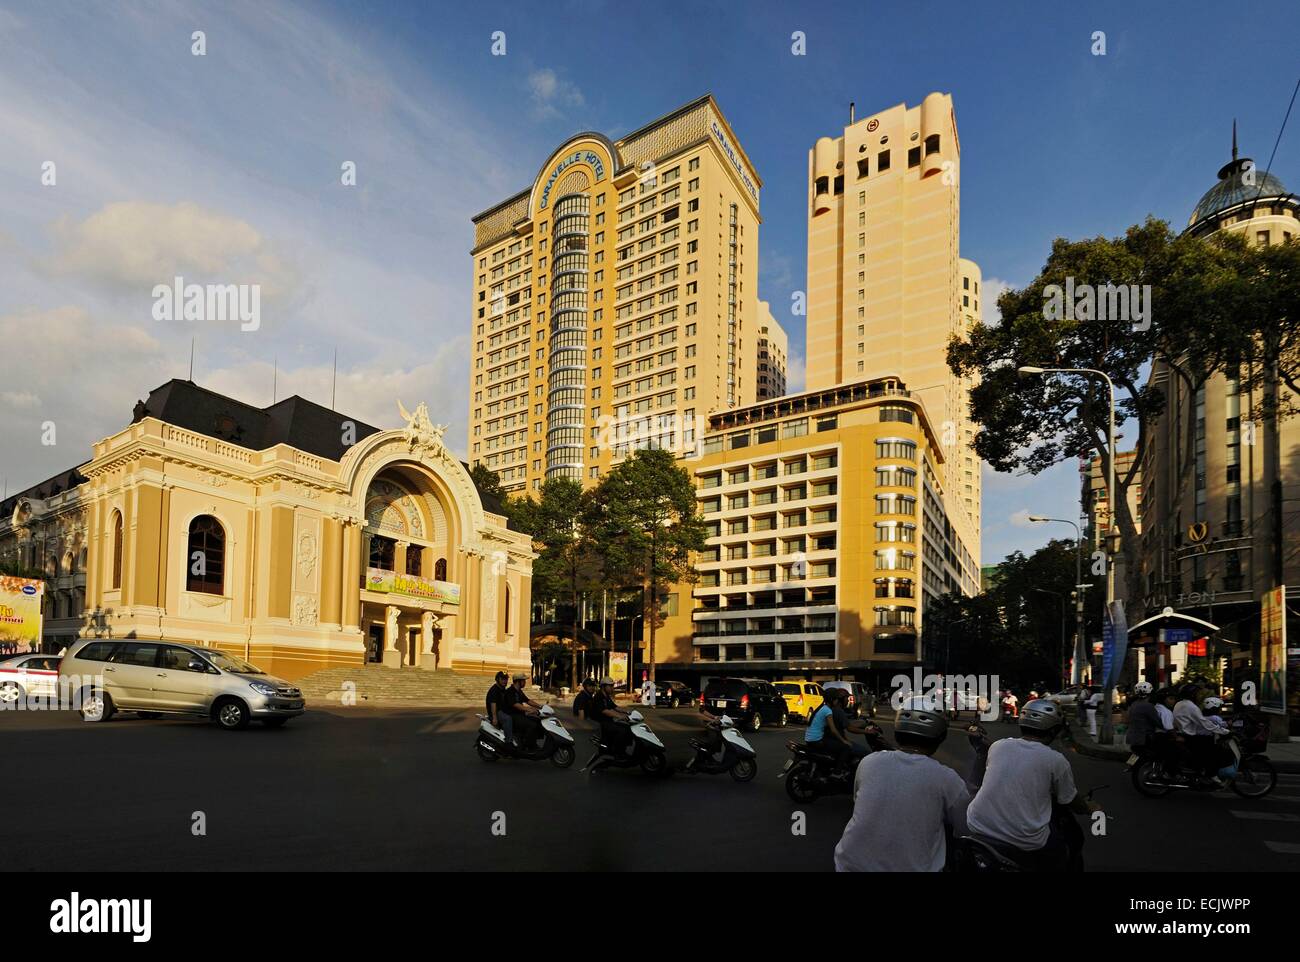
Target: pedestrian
point(1093, 704)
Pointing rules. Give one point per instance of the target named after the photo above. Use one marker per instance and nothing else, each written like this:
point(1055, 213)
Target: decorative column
point(399, 556)
point(353, 568)
point(392, 657)
point(428, 657)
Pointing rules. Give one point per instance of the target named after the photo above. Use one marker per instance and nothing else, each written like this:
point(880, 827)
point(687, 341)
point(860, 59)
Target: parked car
point(164, 677)
point(1071, 695)
point(672, 694)
point(862, 701)
point(28, 676)
point(801, 697)
point(749, 701)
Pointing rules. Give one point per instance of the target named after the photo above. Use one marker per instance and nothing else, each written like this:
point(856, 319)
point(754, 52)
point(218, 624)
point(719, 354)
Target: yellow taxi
point(801, 697)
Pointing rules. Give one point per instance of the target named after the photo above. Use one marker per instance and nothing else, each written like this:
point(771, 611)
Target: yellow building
point(887, 288)
point(291, 535)
point(615, 300)
point(828, 536)
point(773, 355)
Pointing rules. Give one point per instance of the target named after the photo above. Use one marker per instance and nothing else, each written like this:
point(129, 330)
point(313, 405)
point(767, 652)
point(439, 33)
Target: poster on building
point(1272, 652)
point(1114, 644)
point(380, 579)
point(618, 668)
point(20, 612)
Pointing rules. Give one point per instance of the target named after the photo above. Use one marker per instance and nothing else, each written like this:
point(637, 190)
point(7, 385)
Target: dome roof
point(1233, 189)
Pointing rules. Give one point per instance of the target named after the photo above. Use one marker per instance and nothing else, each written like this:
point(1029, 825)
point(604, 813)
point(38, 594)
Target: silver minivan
point(150, 678)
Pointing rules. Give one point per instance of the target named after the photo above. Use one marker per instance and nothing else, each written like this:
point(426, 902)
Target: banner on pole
point(1114, 645)
point(1272, 652)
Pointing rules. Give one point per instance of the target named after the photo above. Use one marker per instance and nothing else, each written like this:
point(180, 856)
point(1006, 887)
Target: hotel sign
point(734, 156)
point(390, 582)
point(577, 157)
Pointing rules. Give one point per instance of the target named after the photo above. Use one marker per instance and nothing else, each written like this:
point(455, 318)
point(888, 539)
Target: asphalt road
point(389, 789)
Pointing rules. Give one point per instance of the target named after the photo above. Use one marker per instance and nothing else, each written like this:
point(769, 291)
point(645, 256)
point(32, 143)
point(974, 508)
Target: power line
point(1278, 140)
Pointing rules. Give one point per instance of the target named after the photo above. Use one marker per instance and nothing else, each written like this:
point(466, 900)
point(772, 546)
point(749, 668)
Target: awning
point(1150, 628)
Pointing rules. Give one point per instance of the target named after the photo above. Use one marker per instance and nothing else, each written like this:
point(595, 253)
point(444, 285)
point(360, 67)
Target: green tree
point(645, 515)
point(569, 559)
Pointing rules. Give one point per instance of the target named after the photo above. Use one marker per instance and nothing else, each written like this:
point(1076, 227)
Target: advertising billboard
point(1272, 652)
point(20, 611)
point(391, 582)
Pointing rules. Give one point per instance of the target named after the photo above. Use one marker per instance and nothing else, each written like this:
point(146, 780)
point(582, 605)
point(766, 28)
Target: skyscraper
point(615, 300)
point(887, 288)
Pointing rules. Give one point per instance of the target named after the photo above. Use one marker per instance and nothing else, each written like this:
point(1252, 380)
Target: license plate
point(789, 764)
point(719, 704)
point(1132, 760)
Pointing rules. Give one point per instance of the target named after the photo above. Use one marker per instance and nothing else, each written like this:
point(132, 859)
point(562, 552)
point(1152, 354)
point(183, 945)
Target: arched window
point(440, 570)
point(414, 560)
point(117, 550)
point(205, 557)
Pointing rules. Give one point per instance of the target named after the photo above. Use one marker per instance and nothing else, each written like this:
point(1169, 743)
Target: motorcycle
point(552, 742)
point(1157, 770)
point(975, 853)
point(810, 773)
point(647, 751)
point(736, 757)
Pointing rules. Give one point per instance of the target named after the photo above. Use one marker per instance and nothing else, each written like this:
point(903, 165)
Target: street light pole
point(1076, 676)
point(1111, 538)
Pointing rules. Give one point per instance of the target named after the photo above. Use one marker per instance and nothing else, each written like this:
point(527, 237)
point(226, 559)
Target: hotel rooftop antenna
point(334, 379)
point(275, 376)
point(851, 105)
point(191, 360)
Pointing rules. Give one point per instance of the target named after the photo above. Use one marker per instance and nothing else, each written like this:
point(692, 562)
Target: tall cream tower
point(887, 287)
point(615, 300)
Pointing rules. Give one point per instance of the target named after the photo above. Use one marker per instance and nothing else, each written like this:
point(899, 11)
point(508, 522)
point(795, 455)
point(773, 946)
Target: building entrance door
point(412, 646)
point(375, 652)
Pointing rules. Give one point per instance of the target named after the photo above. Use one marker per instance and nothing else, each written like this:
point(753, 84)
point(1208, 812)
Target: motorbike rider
point(713, 738)
point(1143, 719)
point(1199, 731)
point(1024, 777)
point(829, 727)
point(614, 730)
point(904, 802)
point(582, 704)
point(523, 711)
point(496, 705)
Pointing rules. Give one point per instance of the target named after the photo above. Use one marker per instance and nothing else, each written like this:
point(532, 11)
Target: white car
point(27, 676)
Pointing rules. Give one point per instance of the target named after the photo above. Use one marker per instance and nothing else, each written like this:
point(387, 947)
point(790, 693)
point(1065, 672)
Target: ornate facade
point(291, 536)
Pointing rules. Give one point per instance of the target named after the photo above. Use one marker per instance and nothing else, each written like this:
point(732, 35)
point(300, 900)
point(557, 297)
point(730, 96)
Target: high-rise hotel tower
point(887, 287)
point(615, 300)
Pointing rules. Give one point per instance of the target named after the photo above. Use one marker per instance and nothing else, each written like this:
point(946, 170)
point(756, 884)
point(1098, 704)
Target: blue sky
point(228, 165)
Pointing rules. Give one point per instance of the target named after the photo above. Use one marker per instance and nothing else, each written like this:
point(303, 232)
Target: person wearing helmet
point(522, 710)
point(904, 802)
point(582, 703)
point(1201, 733)
point(1143, 719)
point(614, 730)
point(1023, 779)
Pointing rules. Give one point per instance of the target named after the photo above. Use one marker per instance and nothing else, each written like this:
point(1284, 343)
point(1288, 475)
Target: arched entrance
point(408, 540)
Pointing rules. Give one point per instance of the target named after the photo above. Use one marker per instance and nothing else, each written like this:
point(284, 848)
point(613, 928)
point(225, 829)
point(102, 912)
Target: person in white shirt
point(1165, 708)
point(1200, 731)
point(1092, 704)
point(904, 802)
point(1023, 779)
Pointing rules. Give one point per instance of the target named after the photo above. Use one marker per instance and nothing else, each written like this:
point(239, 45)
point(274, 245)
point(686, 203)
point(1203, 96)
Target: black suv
point(750, 701)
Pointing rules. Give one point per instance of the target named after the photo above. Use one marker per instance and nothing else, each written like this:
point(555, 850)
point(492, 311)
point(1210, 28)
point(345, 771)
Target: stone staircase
point(398, 687)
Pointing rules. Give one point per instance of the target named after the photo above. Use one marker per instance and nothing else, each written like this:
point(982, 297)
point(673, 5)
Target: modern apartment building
point(1221, 498)
point(887, 288)
point(615, 300)
point(773, 355)
point(828, 536)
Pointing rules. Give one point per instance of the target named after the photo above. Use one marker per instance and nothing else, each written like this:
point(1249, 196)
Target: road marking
point(1266, 816)
point(1284, 848)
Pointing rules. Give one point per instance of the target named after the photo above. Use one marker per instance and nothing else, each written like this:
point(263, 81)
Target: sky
point(226, 167)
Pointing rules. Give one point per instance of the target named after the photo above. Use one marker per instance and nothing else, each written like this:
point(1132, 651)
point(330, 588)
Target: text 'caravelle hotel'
point(616, 307)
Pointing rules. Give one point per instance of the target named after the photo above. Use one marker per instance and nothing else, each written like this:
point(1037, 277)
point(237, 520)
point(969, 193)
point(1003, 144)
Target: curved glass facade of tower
point(567, 399)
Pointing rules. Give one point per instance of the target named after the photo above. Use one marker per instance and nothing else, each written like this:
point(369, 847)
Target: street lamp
point(1076, 676)
point(1112, 541)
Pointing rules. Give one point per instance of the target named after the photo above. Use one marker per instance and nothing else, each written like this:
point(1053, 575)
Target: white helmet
point(1213, 703)
point(1143, 688)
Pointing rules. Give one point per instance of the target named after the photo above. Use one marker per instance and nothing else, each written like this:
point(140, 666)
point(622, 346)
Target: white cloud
point(990, 290)
point(551, 94)
point(796, 372)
